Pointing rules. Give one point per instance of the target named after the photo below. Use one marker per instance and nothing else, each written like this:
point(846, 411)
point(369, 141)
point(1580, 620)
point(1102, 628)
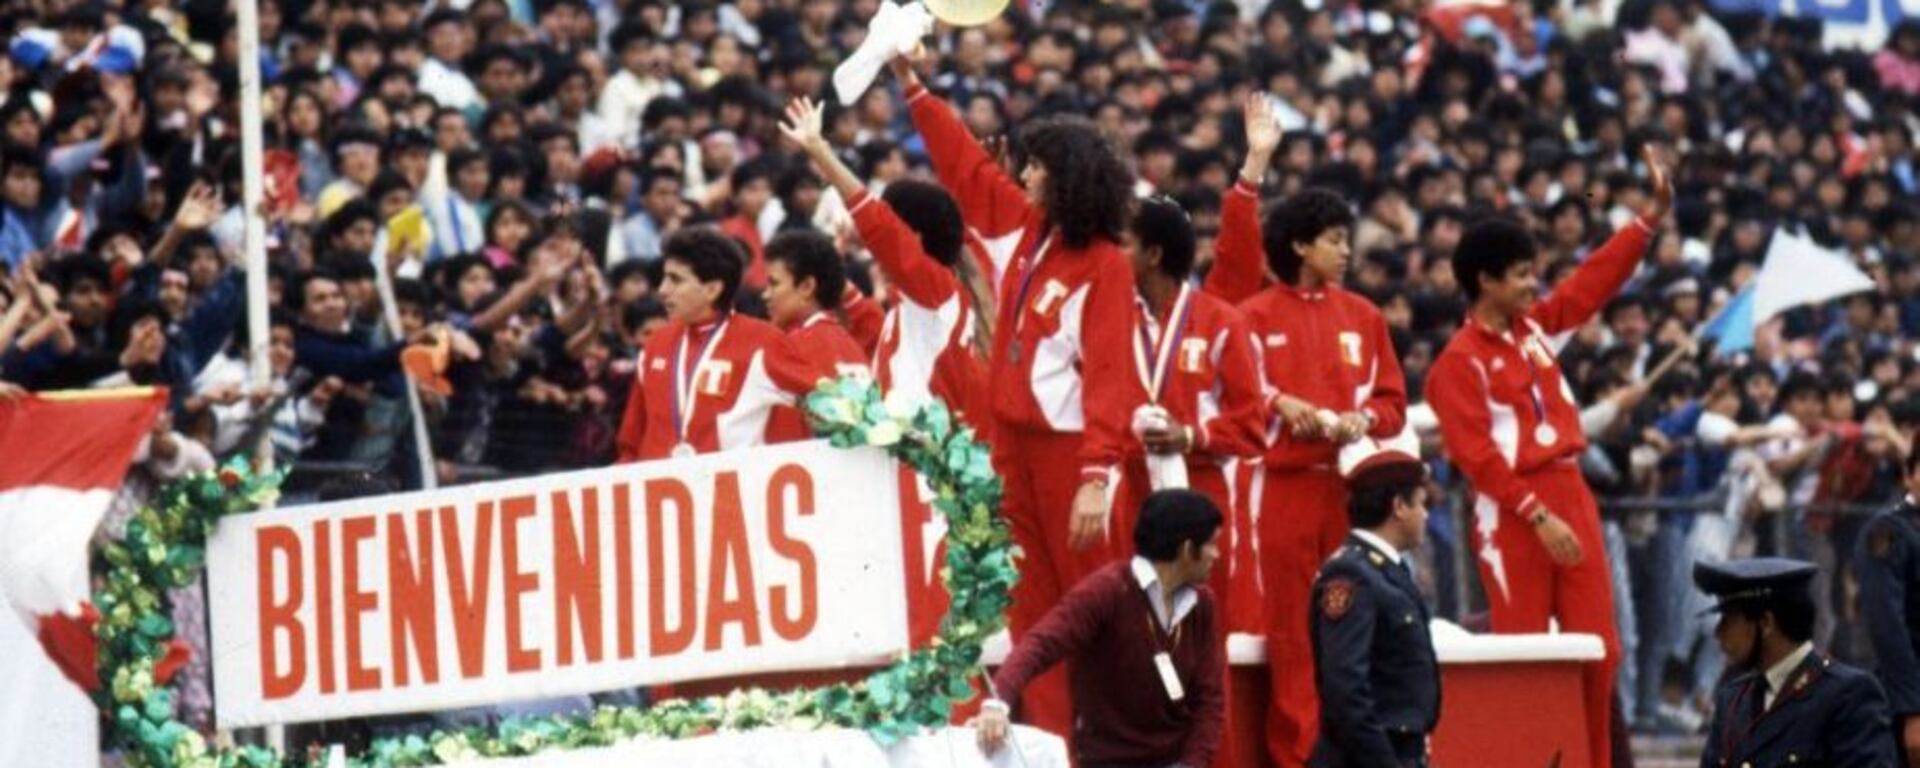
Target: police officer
point(1888, 565)
point(1785, 703)
point(1373, 658)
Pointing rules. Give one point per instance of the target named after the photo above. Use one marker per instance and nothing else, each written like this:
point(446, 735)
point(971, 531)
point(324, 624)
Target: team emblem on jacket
point(1193, 355)
point(713, 378)
point(1050, 298)
point(1336, 599)
point(1350, 348)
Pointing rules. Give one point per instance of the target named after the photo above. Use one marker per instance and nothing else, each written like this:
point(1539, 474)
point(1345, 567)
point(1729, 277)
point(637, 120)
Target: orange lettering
point(354, 601)
point(469, 597)
point(517, 583)
point(623, 567)
point(323, 601)
point(662, 640)
point(270, 541)
point(790, 626)
point(410, 594)
point(576, 574)
point(732, 562)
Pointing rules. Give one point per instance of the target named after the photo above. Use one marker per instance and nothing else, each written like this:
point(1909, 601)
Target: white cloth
point(448, 86)
point(625, 98)
point(830, 748)
point(894, 30)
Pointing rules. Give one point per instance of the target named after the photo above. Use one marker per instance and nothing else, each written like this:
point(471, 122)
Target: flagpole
point(253, 243)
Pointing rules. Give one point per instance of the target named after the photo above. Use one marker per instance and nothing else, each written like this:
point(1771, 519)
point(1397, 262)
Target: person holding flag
point(1333, 378)
point(1058, 376)
point(1509, 421)
point(711, 379)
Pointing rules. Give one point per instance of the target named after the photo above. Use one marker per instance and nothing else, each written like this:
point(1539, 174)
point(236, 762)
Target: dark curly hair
point(810, 254)
point(1299, 220)
point(711, 256)
point(1488, 249)
point(1089, 189)
point(931, 213)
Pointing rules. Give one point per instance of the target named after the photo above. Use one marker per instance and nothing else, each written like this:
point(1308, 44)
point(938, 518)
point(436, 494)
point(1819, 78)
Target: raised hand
point(804, 126)
point(1662, 185)
point(199, 208)
point(1263, 137)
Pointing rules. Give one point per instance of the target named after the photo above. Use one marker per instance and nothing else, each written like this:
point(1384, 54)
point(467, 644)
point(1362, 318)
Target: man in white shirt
point(624, 98)
point(448, 42)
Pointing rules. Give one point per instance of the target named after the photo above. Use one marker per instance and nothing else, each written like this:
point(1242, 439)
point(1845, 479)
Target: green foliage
point(165, 547)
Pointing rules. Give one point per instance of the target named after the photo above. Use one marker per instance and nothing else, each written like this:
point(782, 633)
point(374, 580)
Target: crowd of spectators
point(515, 165)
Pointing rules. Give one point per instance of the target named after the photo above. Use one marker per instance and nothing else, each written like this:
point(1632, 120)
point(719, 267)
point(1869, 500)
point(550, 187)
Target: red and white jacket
point(828, 347)
point(1212, 379)
point(1493, 391)
point(1327, 346)
point(750, 369)
point(926, 345)
point(865, 317)
point(1060, 359)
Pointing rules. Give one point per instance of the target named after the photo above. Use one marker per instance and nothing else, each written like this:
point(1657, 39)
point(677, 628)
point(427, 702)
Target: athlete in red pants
point(1060, 378)
point(1333, 379)
point(1194, 356)
point(1509, 422)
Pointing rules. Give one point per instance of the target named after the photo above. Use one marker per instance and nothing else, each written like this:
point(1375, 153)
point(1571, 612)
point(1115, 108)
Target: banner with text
point(762, 560)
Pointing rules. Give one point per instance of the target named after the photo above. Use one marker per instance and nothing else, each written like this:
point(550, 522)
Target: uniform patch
point(1336, 598)
point(1350, 348)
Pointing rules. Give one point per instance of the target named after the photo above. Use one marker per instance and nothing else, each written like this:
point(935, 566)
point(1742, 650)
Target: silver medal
point(683, 450)
point(1545, 434)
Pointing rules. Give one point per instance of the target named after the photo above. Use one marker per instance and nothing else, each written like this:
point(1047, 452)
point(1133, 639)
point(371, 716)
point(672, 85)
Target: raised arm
point(1239, 262)
point(990, 201)
point(1597, 279)
point(895, 246)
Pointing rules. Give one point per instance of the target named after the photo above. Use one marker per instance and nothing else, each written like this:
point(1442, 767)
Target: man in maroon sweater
point(1147, 664)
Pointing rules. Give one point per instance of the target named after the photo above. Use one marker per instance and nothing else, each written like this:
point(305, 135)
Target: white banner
point(763, 560)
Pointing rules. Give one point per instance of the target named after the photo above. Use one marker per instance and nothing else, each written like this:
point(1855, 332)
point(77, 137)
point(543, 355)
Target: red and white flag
point(65, 457)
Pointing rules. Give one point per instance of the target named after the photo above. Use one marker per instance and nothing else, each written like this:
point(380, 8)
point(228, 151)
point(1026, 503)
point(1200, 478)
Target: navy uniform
point(1373, 658)
point(1823, 712)
point(1887, 562)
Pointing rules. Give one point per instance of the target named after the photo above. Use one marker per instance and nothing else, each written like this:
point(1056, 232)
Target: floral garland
point(165, 548)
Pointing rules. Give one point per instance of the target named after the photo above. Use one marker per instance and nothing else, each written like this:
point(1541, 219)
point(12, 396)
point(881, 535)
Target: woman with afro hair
point(1332, 379)
point(1059, 369)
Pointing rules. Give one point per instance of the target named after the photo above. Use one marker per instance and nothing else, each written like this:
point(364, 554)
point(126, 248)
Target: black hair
point(1798, 383)
point(1793, 612)
point(629, 32)
point(386, 182)
point(1369, 506)
point(461, 158)
point(454, 268)
point(810, 254)
point(1488, 249)
point(349, 214)
point(711, 256)
point(67, 272)
point(1089, 188)
point(409, 291)
point(1160, 223)
point(1301, 219)
point(930, 212)
point(638, 313)
point(1913, 460)
point(295, 295)
point(745, 174)
point(1171, 519)
point(872, 154)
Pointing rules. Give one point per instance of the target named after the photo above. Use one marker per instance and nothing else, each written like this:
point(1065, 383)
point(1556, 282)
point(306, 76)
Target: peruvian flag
point(66, 454)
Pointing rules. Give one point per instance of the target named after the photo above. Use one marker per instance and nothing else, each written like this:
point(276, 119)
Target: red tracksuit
point(750, 369)
point(827, 346)
point(925, 350)
point(1059, 378)
point(1212, 384)
point(1330, 348)
point(1510, 423)
point(864, 318)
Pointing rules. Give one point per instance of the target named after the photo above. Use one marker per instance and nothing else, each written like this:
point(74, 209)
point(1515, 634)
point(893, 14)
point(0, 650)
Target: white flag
point(1799, 272)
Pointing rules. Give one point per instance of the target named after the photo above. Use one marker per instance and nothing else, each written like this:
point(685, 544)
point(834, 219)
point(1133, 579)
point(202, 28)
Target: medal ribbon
point(684, 396)
point(1155, 379)
point(1028, 268)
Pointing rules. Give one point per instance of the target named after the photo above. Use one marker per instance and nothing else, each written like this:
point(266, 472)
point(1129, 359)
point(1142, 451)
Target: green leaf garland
point(165, 547)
